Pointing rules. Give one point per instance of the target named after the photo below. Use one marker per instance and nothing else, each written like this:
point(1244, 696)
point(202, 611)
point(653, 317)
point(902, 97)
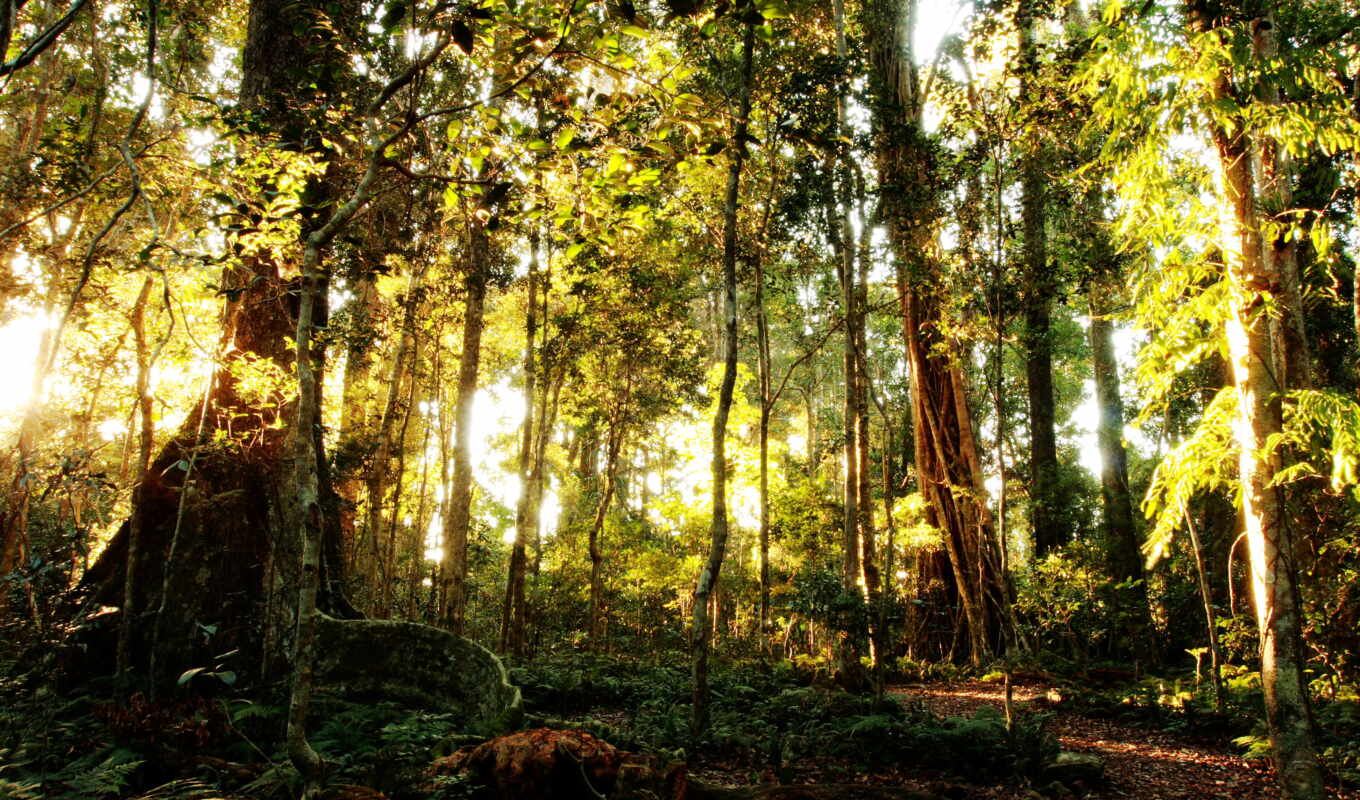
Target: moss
point(417, 665)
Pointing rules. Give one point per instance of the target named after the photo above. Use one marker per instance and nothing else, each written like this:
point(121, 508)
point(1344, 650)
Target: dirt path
point(1139, 762)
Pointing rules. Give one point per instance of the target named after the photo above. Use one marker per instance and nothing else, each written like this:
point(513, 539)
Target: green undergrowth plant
point(775, 715)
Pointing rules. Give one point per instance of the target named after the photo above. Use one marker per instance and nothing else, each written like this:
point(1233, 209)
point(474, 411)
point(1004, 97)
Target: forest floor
point(1141, 761)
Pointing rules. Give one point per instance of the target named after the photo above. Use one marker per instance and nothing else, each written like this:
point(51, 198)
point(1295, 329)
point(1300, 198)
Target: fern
point(185, 789)
point(19, 790)
point(109, 777)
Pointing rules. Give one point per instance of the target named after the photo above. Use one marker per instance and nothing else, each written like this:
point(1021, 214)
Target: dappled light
point(765, 399)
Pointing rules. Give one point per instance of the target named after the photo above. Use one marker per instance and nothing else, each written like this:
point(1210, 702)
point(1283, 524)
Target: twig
point(38, 45)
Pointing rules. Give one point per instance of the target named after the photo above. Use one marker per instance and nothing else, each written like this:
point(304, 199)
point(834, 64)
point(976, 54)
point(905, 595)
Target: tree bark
point(700, 626)
point(1272, 169)
point(526, 512)
point(1045, 517)
point(457, 524)
point(218, 550)
point(946, 457)
point(1121, 535)
point(1278, 612)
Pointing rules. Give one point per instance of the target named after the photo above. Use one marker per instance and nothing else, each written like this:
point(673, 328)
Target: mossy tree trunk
point(1252, 281)
point(700, 631)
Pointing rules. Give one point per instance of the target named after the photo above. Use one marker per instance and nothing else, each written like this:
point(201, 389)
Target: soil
point(1141, 761)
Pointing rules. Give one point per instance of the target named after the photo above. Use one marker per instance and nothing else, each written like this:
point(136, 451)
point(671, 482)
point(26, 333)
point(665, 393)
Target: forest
point(432, 399)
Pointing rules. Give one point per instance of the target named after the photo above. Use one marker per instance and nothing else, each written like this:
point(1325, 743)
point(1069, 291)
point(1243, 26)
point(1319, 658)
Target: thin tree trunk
point(525, 515)
point(460, 506)
point(766, 403)
point(356, 397)
point(306, 514)
point(146, 438)
point(14, 519)
point(387, 594)
point(1206, 596)
point(708, 577)
point(382, 457)
point(614, 443)
point(842, 238)
point(869, 572)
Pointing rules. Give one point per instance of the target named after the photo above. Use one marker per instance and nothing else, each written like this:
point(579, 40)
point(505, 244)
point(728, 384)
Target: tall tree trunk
point(355, 399)
point(946, 457)
point(614, 442)
point(376, 482)
point(840, 232)
point(222, 528)
point(457, 524)
point(1269, 541)
point(700, 627)
point(526, 516)
point(766, 407)
point(386, 593)
point(1206, 596)
point(304, 513)
point(1045, 519)
point(1272, 169)
point(1121, 536)
point(869, 575)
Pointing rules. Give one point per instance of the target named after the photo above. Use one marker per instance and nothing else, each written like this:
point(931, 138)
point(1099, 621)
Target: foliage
point(775, 715)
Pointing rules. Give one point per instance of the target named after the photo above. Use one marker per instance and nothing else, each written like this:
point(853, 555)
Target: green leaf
point(563, 140)
point(774, 9)
point(189, 675)
point(635, 31)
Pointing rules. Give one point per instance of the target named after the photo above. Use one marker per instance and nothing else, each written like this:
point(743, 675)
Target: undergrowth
point(775, 715)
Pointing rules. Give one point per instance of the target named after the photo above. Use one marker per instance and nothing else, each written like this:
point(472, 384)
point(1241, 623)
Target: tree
point(946, 452)
point(1251, 277)
point(211, 490)
point(1040, 286)
point(1245, 423)
point(699, 631)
